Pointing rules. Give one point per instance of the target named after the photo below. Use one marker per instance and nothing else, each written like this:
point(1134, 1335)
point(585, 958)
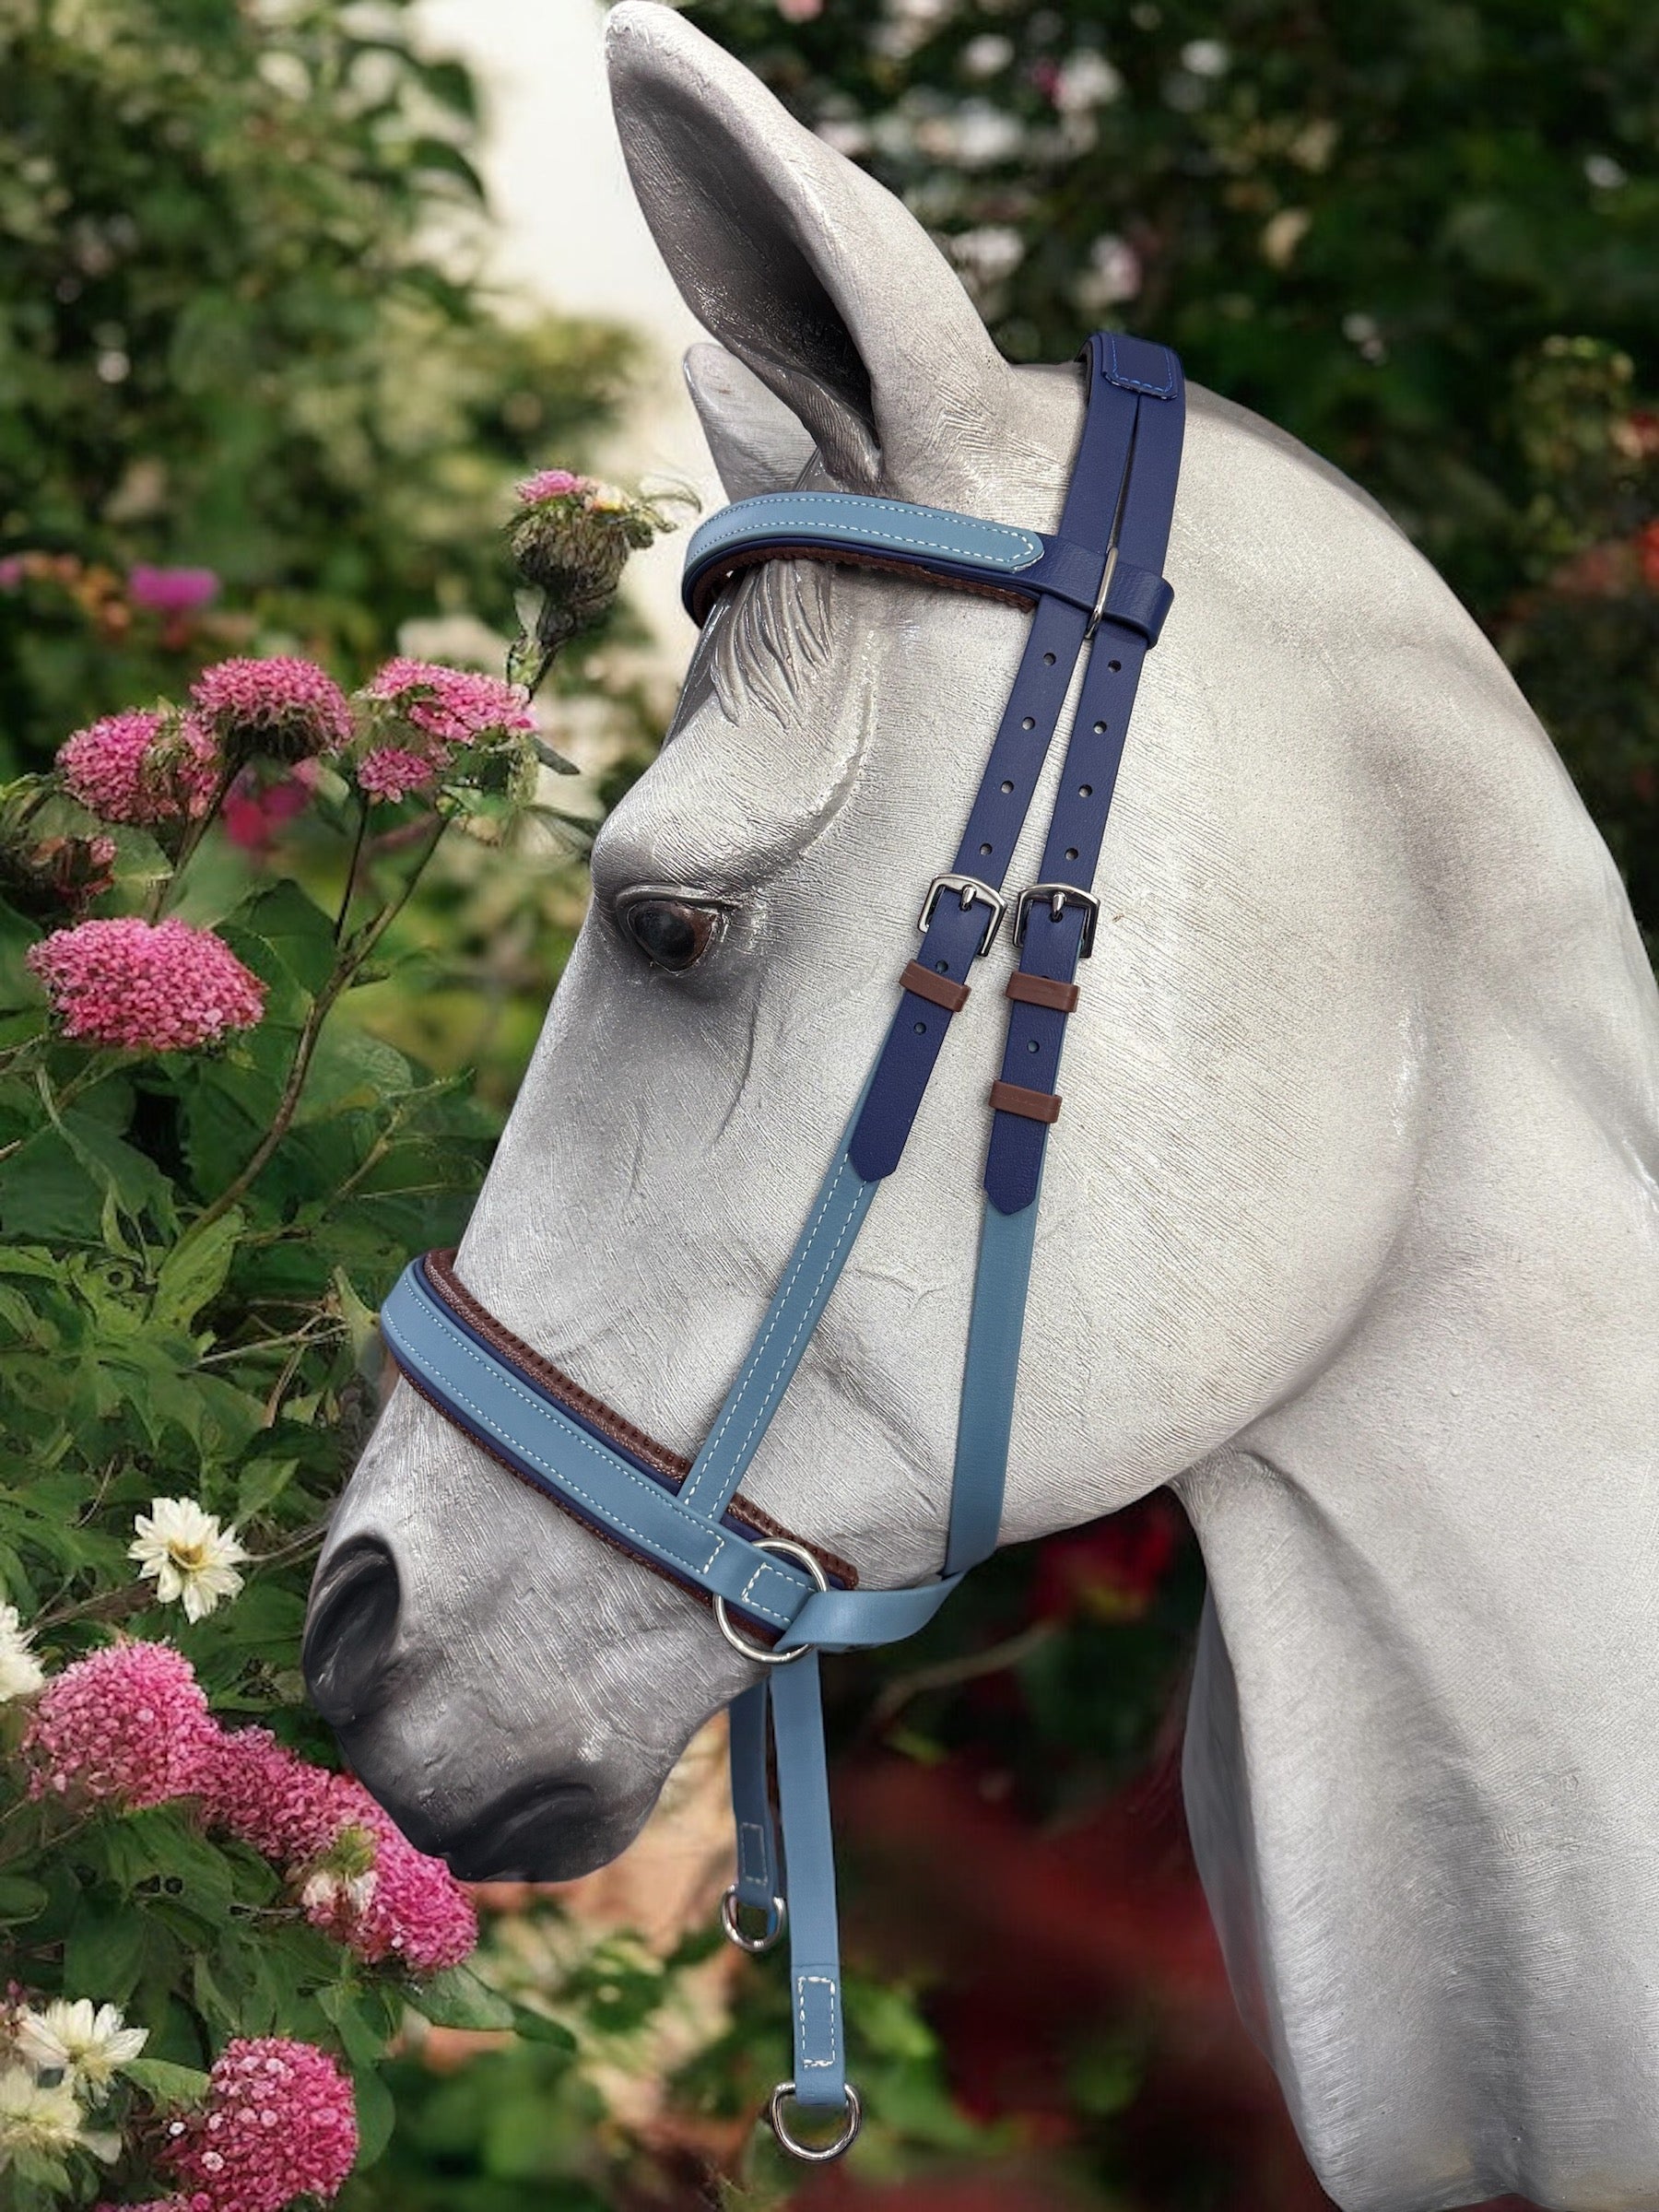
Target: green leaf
point(104, 1955)
point(165, 2084)
point(21, 1898)
point(375, 2116)
point(456, 1998)
point(194, 1272)
point(535, 2027)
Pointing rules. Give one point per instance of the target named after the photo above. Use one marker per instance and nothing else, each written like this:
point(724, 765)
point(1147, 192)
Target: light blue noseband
point(1099, 596)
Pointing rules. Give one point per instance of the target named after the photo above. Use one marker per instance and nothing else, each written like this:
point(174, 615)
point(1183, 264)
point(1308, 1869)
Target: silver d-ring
point(777, 1916)
point(758, 1651)
point(822, 2155)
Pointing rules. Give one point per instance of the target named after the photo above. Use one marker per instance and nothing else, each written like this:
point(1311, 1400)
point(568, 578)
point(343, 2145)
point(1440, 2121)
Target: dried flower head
point(129, 1723)
point(150, 765)
point(279, 2122)
point(572, 538)
point(146, 986)
point(187, 1555)
point(280, 708)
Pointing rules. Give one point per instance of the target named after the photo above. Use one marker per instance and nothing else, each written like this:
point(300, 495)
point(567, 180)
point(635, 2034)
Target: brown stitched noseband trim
point(672, 1466)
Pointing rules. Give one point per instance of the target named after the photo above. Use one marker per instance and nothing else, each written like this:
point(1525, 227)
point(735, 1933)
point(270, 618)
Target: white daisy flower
point(188, 1554)
point(34, 2118)
point(20, 1671)
point(86, 2047)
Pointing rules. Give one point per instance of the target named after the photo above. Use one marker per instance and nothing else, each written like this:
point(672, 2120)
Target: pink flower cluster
point(130, 1723)
point(171, 591)
point(441, 709)
point(146, 986)
point(279, 2122)
point(279, 705)
point(551, 484)
point(142, 767)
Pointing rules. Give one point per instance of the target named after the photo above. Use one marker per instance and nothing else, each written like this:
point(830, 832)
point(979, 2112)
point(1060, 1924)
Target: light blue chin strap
point(1100, 574)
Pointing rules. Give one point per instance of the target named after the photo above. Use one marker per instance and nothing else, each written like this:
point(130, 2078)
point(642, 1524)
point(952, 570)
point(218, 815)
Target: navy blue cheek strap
point(1098, 592)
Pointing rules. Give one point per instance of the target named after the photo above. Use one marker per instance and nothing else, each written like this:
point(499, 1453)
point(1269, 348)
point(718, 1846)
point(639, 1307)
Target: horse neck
point(1418, 1770)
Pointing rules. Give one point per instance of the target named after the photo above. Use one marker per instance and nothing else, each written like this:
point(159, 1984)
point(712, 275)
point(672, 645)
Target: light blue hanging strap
point(989, 1374)
point(820, 2044)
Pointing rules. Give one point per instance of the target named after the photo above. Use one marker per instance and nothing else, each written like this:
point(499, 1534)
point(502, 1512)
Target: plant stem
point(351, 959)
point(352, 866)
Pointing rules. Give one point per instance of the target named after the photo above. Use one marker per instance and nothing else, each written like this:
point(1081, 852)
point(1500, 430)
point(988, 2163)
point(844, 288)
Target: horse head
point(1349, 1231)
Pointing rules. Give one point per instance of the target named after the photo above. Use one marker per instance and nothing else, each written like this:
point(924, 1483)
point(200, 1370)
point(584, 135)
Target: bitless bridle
point(1098, 592)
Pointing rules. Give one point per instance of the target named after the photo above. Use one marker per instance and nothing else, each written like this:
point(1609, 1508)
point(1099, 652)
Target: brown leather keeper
point(1035, 1105)
point(939, 989)
point(1043, 991)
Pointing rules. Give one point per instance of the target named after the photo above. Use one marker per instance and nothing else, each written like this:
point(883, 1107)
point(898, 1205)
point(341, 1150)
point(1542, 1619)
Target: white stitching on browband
point(890, 538)
point(608, 1513)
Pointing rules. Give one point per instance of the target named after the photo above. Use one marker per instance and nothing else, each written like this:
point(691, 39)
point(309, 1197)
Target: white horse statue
point(1350, 1234)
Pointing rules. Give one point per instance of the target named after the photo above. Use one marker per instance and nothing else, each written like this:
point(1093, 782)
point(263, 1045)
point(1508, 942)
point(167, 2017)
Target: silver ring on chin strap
point(778, 1918)
point(821, 2156)
point(758, 1651)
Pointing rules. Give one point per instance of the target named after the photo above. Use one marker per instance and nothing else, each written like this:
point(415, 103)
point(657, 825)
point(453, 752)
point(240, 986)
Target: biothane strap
point(1116, 518)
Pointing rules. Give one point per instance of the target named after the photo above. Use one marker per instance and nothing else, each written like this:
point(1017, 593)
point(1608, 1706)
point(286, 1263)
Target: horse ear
point(756, 443)
point(817, 280)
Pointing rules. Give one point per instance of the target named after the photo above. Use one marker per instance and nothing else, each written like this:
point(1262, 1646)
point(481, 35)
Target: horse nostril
point(353, 1618)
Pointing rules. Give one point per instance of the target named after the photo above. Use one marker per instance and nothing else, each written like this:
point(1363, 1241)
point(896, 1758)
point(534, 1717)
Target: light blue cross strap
point(505, 1412)
point(814, 1269)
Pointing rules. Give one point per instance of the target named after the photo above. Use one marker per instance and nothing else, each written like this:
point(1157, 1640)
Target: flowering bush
point(208, 1176)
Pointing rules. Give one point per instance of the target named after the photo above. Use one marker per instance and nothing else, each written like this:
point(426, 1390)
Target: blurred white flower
point(1603, 172)
point(989, 254)
point(1086, 79)
point(1113, 275)
point(849, 135)
point(20, 1672)
point(1206, 57)
point(187, 1554)
point(974, 135)
point(1282, 233)
point(988, 53)
point(86, 2047)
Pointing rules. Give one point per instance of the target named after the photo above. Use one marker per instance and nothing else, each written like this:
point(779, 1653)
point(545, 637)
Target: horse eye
point(671, 933)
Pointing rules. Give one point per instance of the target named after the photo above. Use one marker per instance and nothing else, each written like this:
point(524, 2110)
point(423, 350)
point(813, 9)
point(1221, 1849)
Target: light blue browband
point(1100, 574)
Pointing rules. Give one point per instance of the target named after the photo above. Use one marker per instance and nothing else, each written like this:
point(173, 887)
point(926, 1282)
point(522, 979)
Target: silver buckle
point(1059, 896)
point(969, 890)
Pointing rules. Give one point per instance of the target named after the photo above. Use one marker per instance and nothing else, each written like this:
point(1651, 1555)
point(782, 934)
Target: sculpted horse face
point(1348, 1233)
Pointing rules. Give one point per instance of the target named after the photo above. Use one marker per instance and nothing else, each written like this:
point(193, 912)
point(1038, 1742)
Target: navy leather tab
point(1139, 599)
point(1136, 364)
point(759, 1880)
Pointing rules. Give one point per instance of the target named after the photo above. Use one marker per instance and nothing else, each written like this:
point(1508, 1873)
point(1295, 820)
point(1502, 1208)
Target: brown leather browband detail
point(846, 556)
point(1043, 991)
point(1035, 1105)
point(953, 997)
point(673, 1467)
